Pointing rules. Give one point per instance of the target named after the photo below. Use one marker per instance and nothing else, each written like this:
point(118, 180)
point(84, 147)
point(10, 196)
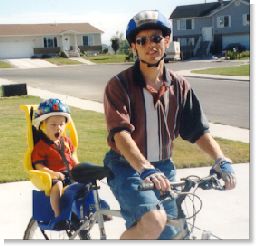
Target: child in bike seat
point(53, 153)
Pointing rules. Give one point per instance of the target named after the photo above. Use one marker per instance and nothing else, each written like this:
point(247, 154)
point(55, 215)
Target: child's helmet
point(51, 107)
point(147, 19)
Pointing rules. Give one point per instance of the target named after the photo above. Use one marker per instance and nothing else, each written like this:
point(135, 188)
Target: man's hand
point(157, 177)
point(223, 167)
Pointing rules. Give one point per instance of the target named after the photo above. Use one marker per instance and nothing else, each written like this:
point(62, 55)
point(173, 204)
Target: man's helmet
point(51, 107)
point(147, 19)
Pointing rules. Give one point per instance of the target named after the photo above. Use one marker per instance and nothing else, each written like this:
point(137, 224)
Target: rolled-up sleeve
point(193, 120)
point(117, 109)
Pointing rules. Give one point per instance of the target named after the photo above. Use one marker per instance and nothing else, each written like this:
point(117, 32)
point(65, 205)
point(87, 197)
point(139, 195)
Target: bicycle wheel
point(34, 232)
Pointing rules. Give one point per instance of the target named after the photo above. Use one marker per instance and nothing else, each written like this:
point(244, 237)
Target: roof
point(196, 10)
point(46, 29)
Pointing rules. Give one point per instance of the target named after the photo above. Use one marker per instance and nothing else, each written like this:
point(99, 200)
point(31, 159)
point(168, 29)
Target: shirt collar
point(139, 78)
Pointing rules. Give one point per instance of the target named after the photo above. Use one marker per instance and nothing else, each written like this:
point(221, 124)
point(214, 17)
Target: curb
point(188, 73)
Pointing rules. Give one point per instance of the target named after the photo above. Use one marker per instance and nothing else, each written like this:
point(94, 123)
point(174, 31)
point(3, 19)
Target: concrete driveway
point(24, 63)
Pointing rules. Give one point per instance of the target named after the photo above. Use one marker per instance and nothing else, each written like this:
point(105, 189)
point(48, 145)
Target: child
point(53, 153)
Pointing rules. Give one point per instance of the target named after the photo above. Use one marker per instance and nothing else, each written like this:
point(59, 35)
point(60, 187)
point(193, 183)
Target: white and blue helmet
point(51, 107)
point(147, 19)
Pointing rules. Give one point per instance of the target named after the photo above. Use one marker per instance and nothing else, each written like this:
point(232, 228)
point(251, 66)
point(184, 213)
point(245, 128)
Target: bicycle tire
point(34, 232)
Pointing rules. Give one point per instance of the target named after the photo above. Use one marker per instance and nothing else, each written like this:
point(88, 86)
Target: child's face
point(54, 126)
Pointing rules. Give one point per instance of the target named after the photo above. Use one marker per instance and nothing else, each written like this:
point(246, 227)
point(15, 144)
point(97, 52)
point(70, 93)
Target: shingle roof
point(46, 29)
point(195, 10)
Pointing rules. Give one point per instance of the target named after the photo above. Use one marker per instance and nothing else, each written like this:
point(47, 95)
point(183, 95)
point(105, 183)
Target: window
point(87, 40)
point(50, 42)
point(185, 24)
point(246, 19)
point(224, 21)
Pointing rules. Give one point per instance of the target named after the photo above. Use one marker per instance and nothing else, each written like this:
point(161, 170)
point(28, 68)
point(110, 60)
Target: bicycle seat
point(88, 172)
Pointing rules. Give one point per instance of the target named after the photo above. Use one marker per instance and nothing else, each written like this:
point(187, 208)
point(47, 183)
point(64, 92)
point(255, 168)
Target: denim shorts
point(134, 204)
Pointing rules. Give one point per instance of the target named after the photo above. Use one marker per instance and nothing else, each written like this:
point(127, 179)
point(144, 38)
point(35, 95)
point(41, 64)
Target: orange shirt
point(45, 152)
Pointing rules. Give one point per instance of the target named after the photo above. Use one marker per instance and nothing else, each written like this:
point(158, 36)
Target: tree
point(115, 44)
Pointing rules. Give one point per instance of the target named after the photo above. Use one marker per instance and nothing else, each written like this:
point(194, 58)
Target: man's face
point(55, 126)
point(150, 45)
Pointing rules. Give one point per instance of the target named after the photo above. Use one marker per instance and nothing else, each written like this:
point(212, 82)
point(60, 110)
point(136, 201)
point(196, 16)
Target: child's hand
point(60, 175)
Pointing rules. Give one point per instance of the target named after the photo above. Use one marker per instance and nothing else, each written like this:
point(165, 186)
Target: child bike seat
point(40, 179)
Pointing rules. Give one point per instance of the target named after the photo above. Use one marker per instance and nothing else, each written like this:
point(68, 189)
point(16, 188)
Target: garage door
point(242, 39)
point(18, 49)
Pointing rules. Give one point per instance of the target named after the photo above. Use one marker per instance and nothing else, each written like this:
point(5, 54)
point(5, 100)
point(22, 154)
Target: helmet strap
point(154, 64)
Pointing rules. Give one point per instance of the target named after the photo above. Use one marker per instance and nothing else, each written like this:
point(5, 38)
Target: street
point(228, 102)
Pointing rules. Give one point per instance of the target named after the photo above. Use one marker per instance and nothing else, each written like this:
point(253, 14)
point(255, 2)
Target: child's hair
point(51, 107)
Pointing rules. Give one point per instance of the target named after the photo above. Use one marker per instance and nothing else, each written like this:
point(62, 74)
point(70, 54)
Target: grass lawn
point(4, 64)
point(106, 58)
point(62, 61)
point(243, 70)
point(92, 141)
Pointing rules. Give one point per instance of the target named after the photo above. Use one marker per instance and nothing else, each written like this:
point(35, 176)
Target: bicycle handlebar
point(206, 183)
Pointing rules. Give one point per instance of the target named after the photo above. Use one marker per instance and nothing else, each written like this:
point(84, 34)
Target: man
point(146, 108)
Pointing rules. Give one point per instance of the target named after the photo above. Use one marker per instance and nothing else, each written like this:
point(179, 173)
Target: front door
point(207, 33)
point(66, 43)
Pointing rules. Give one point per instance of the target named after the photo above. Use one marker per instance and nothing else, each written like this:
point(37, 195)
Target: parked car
point(173, 52)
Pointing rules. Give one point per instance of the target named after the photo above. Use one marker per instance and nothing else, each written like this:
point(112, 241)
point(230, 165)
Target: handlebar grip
point(146, 186)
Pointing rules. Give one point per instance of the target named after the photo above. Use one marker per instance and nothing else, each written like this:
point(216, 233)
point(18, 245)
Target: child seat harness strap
point(65, 161)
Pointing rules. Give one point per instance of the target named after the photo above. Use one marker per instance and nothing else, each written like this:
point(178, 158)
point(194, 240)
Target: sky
point(109, 16)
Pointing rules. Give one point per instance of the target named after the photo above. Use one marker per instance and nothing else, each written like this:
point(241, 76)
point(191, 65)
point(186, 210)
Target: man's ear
point(167, 41)
point(133, 46)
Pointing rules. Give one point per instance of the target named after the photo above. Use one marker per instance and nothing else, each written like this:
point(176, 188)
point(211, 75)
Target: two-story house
point(208, 28)
point(28, 40)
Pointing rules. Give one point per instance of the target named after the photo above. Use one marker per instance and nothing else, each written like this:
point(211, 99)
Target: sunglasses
point(143, 40)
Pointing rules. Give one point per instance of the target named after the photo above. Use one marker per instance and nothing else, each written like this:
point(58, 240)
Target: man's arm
point(130, 151)
point(207, 143)
point(132, 154)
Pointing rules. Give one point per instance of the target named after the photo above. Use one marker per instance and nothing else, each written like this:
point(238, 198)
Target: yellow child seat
point(40, 179)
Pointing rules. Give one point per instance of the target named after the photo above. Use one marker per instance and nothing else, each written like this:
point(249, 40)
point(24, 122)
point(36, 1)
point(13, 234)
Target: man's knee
point(153, 223)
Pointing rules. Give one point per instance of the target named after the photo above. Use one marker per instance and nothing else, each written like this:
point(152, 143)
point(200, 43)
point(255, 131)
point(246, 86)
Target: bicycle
point(87, 211)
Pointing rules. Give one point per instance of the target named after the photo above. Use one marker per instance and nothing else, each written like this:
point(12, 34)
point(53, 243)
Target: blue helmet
point(147, 19)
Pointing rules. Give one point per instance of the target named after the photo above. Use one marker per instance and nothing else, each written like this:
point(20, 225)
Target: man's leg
point(149, 226)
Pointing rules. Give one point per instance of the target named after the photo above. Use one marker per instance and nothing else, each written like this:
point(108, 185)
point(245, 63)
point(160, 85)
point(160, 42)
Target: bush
point(245, 54)
point(105, 51)
point(64, 54)
point(232, 55)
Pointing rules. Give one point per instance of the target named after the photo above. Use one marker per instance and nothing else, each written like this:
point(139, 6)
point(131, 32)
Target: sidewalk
point(224, 213)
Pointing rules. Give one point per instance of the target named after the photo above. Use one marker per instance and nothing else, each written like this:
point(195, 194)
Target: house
point(208, 28)
point(36, 40)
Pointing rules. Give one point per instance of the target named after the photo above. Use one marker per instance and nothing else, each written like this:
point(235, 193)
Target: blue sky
point(108, 15)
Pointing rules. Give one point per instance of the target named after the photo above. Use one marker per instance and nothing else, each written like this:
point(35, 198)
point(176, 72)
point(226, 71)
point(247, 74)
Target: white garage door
point(18, 49)
point(242, 39)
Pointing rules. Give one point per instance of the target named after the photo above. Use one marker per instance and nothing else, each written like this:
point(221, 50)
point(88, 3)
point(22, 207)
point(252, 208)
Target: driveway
point(30, 63)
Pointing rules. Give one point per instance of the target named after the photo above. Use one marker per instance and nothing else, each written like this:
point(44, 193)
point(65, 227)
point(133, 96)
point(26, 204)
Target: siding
point(236, 13)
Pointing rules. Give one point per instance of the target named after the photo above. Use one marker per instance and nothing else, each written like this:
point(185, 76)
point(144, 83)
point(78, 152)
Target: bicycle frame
point(96, 214)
